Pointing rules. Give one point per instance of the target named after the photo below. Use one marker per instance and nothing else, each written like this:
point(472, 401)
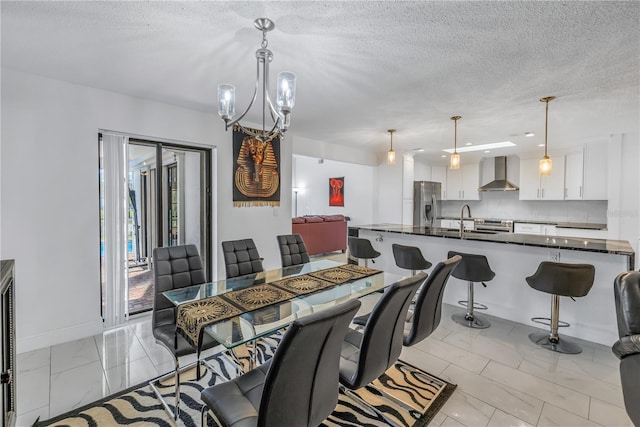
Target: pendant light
point(545, 163)
point(391, 155)
point(454, 161)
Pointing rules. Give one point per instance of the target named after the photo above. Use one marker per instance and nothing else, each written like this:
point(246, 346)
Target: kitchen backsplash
point(506, 205)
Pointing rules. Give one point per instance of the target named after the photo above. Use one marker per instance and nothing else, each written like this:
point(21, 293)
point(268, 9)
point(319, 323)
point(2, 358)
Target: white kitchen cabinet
point(463, 183)
point(454, 224)
point(407, 177)
point(586, 233)
point(595, 171)
point(534, 228)
point(573, 176)
point(439, 174)
point(536, 187)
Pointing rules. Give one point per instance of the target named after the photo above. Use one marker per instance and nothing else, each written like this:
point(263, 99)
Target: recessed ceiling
point(362, 67)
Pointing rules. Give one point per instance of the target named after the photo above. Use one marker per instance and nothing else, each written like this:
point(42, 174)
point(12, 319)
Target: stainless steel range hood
point(500, 182)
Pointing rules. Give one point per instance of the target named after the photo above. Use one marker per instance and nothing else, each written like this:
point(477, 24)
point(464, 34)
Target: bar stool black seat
point(472, 268)
point(361, 248)
point(559, 279)
point(410, 258)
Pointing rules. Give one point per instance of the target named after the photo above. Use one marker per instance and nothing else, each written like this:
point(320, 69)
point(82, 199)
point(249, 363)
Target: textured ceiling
point(362, 67)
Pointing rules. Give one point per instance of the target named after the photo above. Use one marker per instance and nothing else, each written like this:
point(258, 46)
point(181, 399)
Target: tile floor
point(503, 379)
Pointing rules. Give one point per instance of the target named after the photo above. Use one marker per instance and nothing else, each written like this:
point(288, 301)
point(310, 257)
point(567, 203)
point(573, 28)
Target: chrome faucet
point(462, 218)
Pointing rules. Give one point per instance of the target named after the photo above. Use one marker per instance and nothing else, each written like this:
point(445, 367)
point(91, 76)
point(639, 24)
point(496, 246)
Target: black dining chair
point(297, 387)
point(428, 302)
point(368, 354)
point(626, 288)
point(241, 257)
point(292, 250)
point(175, 267)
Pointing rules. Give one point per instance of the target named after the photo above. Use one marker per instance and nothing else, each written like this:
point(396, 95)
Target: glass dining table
point(247, 326)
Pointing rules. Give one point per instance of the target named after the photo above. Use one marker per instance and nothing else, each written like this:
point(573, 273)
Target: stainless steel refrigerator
point(426, 203)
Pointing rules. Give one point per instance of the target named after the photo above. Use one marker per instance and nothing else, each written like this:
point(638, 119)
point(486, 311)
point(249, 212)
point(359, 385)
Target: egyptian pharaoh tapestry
point(256, 175)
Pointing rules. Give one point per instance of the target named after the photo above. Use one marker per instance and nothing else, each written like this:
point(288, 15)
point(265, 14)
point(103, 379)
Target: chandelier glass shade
point(391, 155)
point(545, 165)
point(454, 160)
point(279, 112)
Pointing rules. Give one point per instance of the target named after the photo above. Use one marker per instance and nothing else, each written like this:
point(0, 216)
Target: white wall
point(49, 196)
point(312, 175)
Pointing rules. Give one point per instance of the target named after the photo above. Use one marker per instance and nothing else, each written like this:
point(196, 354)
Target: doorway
point(167, 202)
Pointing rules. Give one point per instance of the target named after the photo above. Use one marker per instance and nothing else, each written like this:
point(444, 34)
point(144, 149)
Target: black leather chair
point(362, 249)
point(292, 250)
point(626, 288)
point(472, 268)
point(297, 387)
point(428, 302)
point(559, 279)
point(410, 258)
point(368, 354)
point(173, 268)
point(241, 257)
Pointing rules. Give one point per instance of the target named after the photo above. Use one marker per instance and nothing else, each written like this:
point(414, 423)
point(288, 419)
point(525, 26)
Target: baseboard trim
point(58, 336)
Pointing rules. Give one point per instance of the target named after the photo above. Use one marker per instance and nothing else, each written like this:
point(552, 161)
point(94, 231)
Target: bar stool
point(410, 258)
point(559, 279)
point(362, 249)
point(472, 268)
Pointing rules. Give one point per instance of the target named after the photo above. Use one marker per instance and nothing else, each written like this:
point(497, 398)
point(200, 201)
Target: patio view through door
point(152, 194)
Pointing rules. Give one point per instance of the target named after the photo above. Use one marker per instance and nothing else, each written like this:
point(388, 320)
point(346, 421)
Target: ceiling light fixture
point(286, 93)
point(529, 134)
point(545, 163)
point(454, 161)
point(482, 147)
point(391, 155)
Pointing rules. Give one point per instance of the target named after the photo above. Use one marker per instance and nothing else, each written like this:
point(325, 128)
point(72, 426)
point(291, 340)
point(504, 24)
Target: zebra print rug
point(138, 406)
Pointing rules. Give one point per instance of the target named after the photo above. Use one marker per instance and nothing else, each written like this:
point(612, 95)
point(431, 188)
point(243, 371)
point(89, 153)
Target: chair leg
point(551, 340)
point(470, 319)
point(173, 414)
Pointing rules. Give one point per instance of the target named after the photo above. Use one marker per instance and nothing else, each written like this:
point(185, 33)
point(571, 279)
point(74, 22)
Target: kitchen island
point(514, 257)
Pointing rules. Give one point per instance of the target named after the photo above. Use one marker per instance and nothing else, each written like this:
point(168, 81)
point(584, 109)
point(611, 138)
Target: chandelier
point(280, 113)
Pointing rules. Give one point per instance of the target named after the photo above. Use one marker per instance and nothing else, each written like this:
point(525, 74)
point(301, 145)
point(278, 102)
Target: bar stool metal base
point(474, 322)
point(543, 339)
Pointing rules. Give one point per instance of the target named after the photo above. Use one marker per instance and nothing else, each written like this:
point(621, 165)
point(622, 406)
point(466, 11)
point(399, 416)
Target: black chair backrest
point(473, 267)
point(292, 250)
point(626, 289)
point(569, 280)
point(361, 248)
point(384, 332)
point(428, 302)
point(409, 257)
point(174, 267)
point(241, 257)
point(301, 387)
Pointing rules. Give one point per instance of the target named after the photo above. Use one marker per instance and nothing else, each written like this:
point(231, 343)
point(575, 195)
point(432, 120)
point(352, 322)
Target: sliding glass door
point(163, 200)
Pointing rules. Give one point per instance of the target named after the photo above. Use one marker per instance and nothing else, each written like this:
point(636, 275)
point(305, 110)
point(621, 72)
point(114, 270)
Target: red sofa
point(322, 233)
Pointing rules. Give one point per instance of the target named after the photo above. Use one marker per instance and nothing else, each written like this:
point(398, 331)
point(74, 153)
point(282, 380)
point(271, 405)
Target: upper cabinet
point(573, 176)
point(580, 175)
point(439, 174)
point(463, 183)
point(536, 187)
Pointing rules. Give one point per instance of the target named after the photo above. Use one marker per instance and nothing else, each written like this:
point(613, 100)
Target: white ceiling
point(362, 67)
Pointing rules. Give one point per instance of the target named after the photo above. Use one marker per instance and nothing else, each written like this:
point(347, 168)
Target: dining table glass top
point(250, 325)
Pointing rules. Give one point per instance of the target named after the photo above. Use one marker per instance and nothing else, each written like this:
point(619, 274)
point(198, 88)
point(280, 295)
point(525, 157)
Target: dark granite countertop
point(618, 247)
point(578, 225)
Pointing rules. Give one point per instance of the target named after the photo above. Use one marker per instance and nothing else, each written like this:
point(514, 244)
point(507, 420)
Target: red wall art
point(336, 191)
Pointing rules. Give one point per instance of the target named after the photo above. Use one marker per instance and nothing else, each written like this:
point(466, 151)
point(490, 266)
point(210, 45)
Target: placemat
point(193, 316)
